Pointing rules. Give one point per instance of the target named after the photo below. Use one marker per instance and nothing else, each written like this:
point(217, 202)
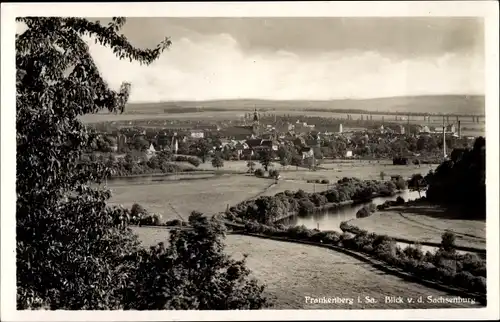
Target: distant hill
point(446, 104)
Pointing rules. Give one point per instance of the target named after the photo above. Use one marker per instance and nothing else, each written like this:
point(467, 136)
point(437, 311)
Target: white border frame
point(486, 9)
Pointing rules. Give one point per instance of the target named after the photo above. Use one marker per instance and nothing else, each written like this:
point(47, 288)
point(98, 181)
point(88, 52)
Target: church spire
point(255, 116)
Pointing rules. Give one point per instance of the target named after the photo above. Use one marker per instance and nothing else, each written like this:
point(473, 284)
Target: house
point(348, 154)
point(307, 152)
point(237, 132)
point(299, 141)
point(400, 129)
point(269, 144)
point(197, 134)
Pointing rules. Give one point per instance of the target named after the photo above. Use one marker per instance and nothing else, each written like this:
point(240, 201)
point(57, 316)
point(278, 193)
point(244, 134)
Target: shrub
point(399, 201)
point(463, 279)
point(138, 211)
point(414, 252)
point(194, 161)
point(400, 183)
point(479, 284)
point(259, 173)
point(448, 241)
point(318, 199)
point(363, 212)
point(325, 181)
point(306, 206)
point(301, 194)
point(174, 222)
point(273, 173)
point(445, 274)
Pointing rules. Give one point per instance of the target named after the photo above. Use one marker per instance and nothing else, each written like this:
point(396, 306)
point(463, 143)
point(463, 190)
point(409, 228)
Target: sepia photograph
point(249, 159)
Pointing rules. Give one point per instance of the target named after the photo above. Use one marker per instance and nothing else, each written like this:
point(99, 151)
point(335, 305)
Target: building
point(197, 134)
point(256, 123)
point(307, 152)
point(400, 129)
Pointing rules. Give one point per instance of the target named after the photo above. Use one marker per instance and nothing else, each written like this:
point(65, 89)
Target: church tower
point(255, 124)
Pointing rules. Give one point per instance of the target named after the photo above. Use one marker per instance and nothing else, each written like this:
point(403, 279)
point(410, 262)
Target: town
point(306, 142)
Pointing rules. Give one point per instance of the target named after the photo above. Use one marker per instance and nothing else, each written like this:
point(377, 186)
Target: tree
point(251, 166)
point(417, 183)
point(140, 143)
point(217, 161)
point(285, 156)
point(199, 274)
point(72, 249)
point(297, 161)
point(202, 148)
point(265, 158)
point(63, 222)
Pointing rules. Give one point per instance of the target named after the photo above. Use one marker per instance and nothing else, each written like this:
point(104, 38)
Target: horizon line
point(310, 100)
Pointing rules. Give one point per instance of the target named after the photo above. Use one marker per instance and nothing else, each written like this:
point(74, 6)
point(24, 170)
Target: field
point(424, 223)
point(363, 170)
point(205, 195)
point(293, 271)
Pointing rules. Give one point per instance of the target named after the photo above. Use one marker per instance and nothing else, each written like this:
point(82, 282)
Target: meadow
point(208, 196)
point(334, 170)
point(424, 223)
point(292, 271)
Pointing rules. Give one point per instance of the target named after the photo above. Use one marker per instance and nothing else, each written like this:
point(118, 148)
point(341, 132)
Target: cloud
point(216, 67)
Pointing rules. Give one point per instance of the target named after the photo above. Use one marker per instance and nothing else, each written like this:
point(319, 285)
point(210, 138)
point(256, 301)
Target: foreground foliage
point(72, 250)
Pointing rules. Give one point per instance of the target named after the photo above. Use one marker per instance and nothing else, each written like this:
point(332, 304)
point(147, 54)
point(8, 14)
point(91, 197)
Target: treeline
point(461, 180)
point(268, 209)
point(136, 164)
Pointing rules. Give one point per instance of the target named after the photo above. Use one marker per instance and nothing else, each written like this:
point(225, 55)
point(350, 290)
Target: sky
point(300, 58)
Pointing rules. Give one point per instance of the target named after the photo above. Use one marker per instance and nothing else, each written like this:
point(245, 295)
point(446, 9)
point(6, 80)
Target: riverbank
point(424, 223)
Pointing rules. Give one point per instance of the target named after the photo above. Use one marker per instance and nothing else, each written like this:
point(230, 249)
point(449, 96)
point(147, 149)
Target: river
point(331, 219)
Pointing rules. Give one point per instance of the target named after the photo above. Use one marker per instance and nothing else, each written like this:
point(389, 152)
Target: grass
point(424, 223)
point(294, 185)
point(205, 195)
point(363, 170)
point(292, 271)
point(236, 166)
point(150, 236)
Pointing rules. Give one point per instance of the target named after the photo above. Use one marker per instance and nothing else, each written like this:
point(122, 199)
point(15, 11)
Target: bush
point(448, 241)
point(400, 183)
point(363, 212)
point(325, 181)
point(301, 194)
point(175, 222)
point(463, 279)
point(259, 173)
point(273, 173)
point(414, 252)
point(306, 206)
point(138, 210)
point(479, 284)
